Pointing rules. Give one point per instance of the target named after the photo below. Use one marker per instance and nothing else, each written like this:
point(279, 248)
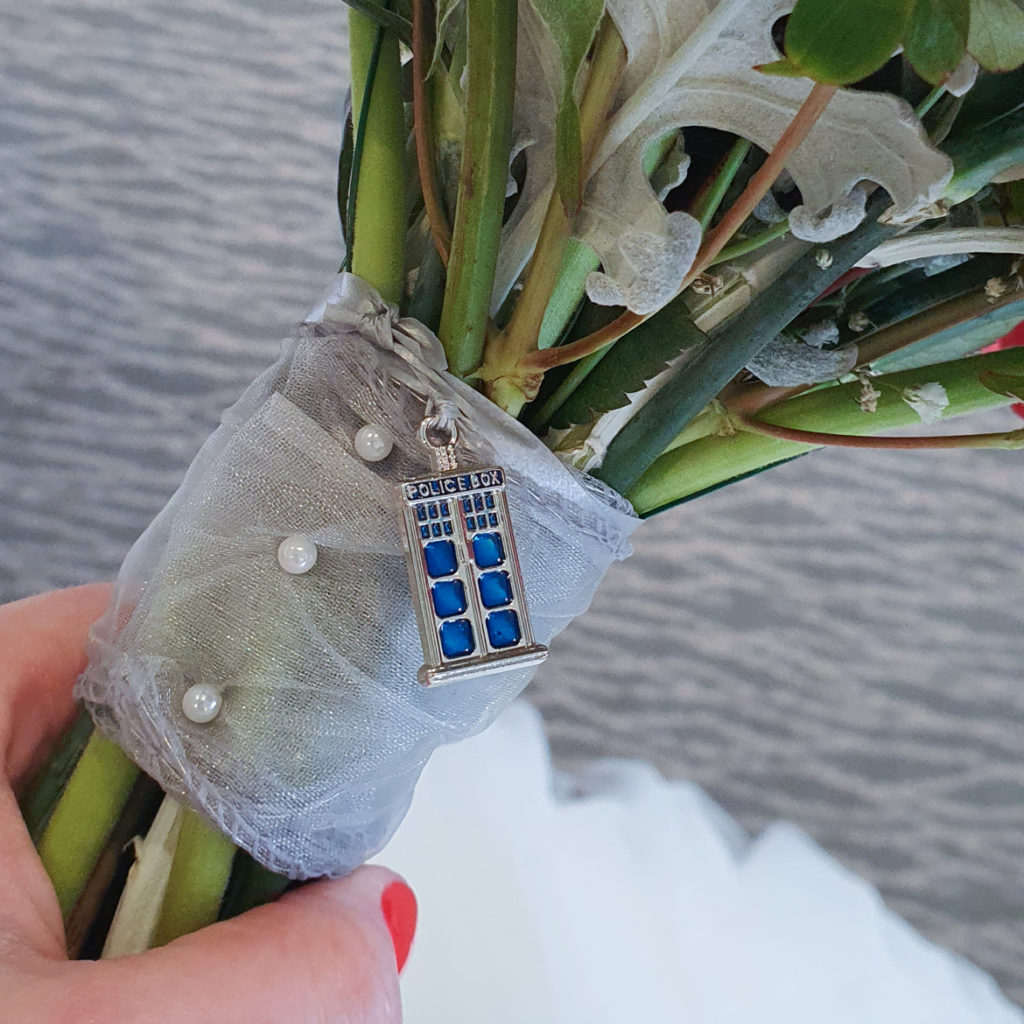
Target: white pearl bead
point(296, 554)
point(373, 443)
point(201, 703)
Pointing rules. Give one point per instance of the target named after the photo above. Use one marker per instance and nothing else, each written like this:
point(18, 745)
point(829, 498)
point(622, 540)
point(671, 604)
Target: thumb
point(323, 953)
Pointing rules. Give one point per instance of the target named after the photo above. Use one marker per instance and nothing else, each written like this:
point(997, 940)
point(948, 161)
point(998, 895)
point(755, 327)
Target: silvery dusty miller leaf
point(691, 64)
point(789, 362)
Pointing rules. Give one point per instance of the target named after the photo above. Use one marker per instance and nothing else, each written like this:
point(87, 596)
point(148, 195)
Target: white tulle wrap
point(311, 762)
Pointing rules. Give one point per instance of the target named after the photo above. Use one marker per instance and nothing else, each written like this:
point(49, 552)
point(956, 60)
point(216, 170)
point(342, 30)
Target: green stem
point(662, 418)
point(929, 101)
point(709, 201)
point(88, 809)
point(1006, 441)
point(39, 801)
point(86, 925)
point(708, 462)
point(198, 878)
point(251, 885)
point(731, 252)
point(491, 27)
point(578, 262)
point(377, 237)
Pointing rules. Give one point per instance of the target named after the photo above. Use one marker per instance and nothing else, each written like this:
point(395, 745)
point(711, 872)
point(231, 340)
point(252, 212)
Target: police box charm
point(464, 573)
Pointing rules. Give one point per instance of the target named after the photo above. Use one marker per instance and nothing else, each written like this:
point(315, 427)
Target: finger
point(43, 644)
point(323, 953)
point(42, 640)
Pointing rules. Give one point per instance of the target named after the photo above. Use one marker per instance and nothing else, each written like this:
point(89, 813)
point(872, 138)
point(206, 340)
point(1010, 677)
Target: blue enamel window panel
point(495, 589)
point(488, 550)
point(503, 628)
point(449, 597)
point(457, 638)
point(440, 557)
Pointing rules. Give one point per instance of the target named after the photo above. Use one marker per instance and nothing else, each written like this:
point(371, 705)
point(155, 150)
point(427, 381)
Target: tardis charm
point(464, 572)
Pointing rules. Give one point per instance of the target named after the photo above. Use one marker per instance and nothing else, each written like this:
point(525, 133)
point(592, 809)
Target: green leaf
point(572, 25)
point(983, 151)
point(635, 359)
point(843, 41)
point(996, 38)
point(936, 37)
point(1009, 384)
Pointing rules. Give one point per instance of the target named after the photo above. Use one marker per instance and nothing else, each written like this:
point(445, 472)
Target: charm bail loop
point(439, 431)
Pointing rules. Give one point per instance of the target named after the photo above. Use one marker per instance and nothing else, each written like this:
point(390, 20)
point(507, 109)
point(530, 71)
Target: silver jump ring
point(436, 434)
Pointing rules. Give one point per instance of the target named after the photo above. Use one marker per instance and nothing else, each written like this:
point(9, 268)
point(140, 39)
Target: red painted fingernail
point(398, 904)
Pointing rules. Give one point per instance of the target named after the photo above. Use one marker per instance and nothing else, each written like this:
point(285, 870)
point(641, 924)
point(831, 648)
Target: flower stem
point(483, 173)
point(750, 399)
point(38, 803)
point(930, 100)
point(1010, 441)
point(377, 234)
point(425, 157)
point(198, 878)
point(762, 180)
point(737, 249)
point(580, 261)
point(94, 909)
point(86, 813)
point(709, 201)
point(251, 885)
point(931, 321)
point(704, 464)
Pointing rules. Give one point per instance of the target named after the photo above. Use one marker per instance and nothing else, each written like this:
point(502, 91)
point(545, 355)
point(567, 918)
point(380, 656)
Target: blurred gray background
point(837, 642)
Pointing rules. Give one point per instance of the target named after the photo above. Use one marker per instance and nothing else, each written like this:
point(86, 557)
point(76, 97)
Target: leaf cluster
point(843, 42)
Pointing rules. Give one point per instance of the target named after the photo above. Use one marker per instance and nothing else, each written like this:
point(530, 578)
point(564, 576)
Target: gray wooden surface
point(837, 642)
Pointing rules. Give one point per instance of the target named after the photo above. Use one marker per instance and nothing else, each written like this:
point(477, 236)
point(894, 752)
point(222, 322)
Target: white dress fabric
point(613, 896)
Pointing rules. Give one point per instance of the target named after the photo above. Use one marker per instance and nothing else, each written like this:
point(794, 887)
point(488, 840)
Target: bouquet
point(601, 258)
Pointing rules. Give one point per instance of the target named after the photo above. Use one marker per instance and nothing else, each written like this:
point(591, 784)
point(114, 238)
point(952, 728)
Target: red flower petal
point(1015, 339)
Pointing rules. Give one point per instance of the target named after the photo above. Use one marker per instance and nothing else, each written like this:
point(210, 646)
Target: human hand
point(324, 953)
